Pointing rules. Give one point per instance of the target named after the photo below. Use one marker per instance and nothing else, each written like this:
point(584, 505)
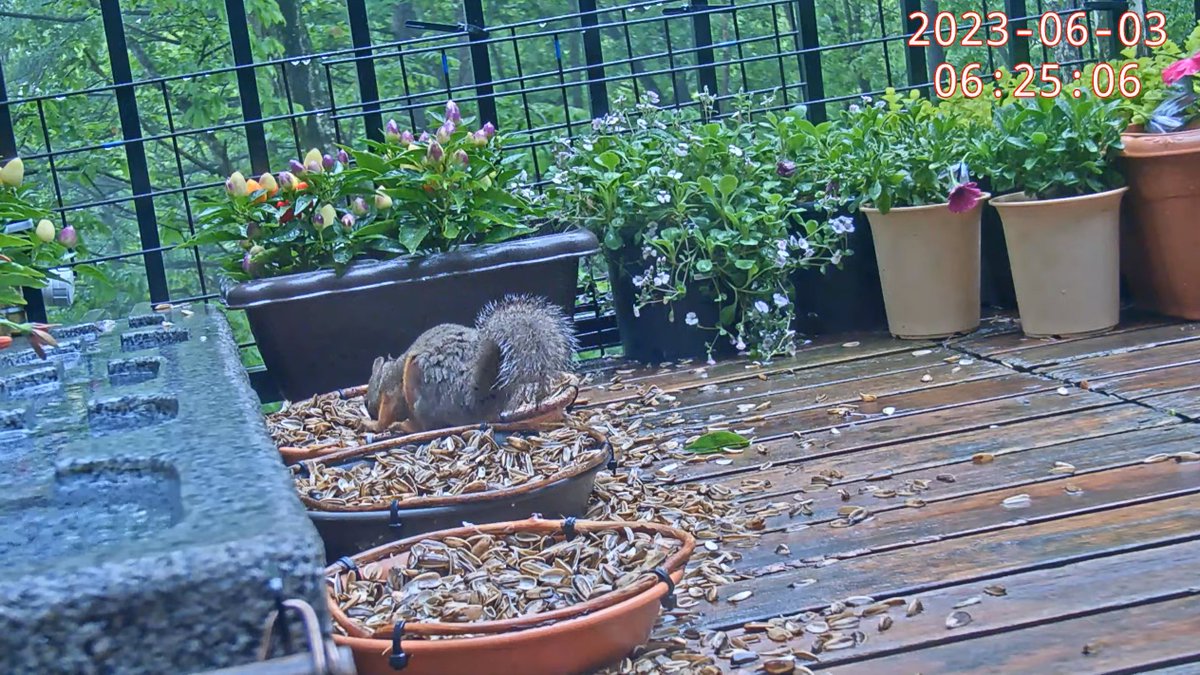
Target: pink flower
point(964, 197)
point(1181, 69)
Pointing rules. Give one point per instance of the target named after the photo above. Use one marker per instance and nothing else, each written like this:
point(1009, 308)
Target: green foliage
point(1054, 147)
point(682, 202)
point(899, 151)
point(716, 441)
point(451, 188)
point(1153, 91)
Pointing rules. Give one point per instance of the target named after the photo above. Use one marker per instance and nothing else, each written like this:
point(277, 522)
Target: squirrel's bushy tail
point(536, 339)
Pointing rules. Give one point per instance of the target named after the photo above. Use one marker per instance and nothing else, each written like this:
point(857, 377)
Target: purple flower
point(452, 112)
point(68, 237)
point(489, 129)
point(348, 221)
point(286, 180)
point(461, 157)
point(343, 157)
point(359, 206)
point(407, 137)
point(964, 197)
point(295, 167)
point(435, 152)
point(477, 138)
point(445, 131)
point(391, 131)
point(785, 168)
point(327, 161)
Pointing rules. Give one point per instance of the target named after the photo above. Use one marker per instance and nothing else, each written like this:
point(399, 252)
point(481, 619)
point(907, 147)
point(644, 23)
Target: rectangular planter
point(319, 331)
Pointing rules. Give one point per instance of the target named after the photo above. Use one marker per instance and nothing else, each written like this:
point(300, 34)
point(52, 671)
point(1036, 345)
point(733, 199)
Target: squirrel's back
point(536, 340)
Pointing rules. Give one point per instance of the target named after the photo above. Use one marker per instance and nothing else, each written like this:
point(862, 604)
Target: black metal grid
point(541, 77)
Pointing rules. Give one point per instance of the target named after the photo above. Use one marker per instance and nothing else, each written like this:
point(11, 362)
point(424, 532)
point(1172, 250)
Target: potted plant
point(1057, 160)
point(900, 160)
point(339, 264)
point(701, 231)
point(1162, 163)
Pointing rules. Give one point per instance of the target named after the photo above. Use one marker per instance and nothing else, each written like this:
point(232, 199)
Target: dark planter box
point(841, 299)
point(318, 331)
point(653, 337)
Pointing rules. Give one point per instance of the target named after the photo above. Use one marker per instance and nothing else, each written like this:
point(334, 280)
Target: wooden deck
point(1098, 570)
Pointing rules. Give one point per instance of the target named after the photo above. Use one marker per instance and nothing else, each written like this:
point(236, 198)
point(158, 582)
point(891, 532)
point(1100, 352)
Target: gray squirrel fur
point(462, 375)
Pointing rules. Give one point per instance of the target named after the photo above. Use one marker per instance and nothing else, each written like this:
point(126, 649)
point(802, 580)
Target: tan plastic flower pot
point(1161, 235)
point(1065, 258)
point(929, 267)
point(578, 639)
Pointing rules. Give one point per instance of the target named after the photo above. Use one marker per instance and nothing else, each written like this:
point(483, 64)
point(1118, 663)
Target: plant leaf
point(715, 441)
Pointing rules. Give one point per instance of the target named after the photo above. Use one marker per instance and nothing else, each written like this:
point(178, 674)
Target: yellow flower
point(236, 185)
point(312, 161)
point(13, 173)
point(382, 201)
point(268, 183)
point(325, 217)
point(45, 231)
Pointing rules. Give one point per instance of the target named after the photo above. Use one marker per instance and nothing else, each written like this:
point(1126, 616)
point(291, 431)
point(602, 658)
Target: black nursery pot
point(995, 285)
point(653, 337)
point(319, 331)
point(843, 299)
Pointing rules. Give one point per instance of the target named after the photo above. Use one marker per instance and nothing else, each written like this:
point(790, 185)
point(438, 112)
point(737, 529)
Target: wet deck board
point(1098, 555)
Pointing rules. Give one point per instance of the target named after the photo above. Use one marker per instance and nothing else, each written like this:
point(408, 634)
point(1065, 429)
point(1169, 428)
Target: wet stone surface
point(141, 497)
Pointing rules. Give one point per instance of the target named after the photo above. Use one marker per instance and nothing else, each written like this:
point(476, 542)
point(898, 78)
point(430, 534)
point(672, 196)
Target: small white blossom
point(674, 175)
point(681, 150)
point(652, 97)
point(559, 179)
point(854, 108)
point(662, 279)
point(842, 225)
point(740, 344)
point(691, 319)
point(836, 258)
point(663, 197)
point(639, 281)
point(880, 104)
point(867, 99)
point(647, 252)
point(637, 312)
point(761, 306)
point(781, 244)
point(735, 151)
point(642, 123)
point(781, 300)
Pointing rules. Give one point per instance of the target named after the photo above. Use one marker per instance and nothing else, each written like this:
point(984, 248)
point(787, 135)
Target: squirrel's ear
point(379, 361)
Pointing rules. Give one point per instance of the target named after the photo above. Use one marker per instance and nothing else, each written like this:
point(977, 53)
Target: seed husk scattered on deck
point(914, 607)
point(1016, 501)
point(885, 622)
point(995, 590)
point(957, 619)
point(982, 458)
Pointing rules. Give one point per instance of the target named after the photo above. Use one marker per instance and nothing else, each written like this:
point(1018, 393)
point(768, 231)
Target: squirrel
point(455, 375)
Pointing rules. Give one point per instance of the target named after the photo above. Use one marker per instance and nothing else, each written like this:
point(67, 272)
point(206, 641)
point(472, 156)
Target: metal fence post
point(1018, 49)
point(135, 151)
point(594, 57)
point(702, 29)
point(364, 66)
point(918, 69)
point(481, 61)
point(243, 58)
point(35, 304)
point(814, 77)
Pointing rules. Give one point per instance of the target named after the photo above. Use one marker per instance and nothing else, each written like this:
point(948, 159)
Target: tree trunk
point(297, 44)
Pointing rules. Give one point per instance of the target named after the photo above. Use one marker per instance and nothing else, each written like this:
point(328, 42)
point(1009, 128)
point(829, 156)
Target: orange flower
point(301, 186)
point(253, 186)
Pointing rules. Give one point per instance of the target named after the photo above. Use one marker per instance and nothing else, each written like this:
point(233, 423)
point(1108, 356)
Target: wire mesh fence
point(128, 117)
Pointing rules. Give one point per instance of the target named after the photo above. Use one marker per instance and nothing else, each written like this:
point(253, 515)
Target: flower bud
point(313, 161)
point(461, 157)
point(348, 221)
point(407, 137)
point(477, 138)
point(45, 231)
point(391, 131)
point(382, 201)
point(424, 138)
point(68, 237)
point(452, 112)
point(489, 129)
point(359, 206)
point(287, 180)
point(343, 157)
point(268, 183)
point(324, 217)
point(445, 131)
point(13, 173)
point(785, 168)
point(256, 251)
point(435, 152)
point(236, 185)
point(295, 166)
point(327, 162)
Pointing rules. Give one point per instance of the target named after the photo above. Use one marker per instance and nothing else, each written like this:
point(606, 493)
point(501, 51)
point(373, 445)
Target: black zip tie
point(568, 527)
point(394, 518)
point(612, 457)
point(350, 566)
point(285, 634)
point(398, 660)
point(668, 600)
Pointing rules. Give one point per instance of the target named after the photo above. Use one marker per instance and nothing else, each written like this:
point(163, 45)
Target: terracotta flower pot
point(1160, 236)
point(1065, 261)
point(576, 639)
point(929, 266)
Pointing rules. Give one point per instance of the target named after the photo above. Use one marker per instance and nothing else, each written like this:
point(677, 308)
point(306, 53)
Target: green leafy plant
point(406, 195)
point(1054, 147)
point(1153, 90)
point(900, 151)
point(687, 204)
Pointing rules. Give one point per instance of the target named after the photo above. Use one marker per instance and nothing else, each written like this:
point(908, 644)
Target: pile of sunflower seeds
point(325, 419)
point(472, 462)
point(488, 577)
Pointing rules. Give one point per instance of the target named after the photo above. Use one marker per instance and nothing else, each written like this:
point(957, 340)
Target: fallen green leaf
point(716, 441)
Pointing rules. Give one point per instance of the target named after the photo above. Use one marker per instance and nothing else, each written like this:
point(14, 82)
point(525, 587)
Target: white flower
point(781, 244)
point(740, 345)
point(867, 99)
point(652, 97)
point(836, 258)
point(662, 279)
point(559, 179)
point(781, 300)
point(647, 252)
point(639, 281)
point(691, 319)
point(735, 151)
point(854, 108)
point(781, 258)
point(663, 197)
point(642, 123)
point(842, 225)
point(659, 125)
point(761, 306)
point(681, 150)
point(587, 146)
point(636, 312)
point(674, 175)
point(879, 104)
